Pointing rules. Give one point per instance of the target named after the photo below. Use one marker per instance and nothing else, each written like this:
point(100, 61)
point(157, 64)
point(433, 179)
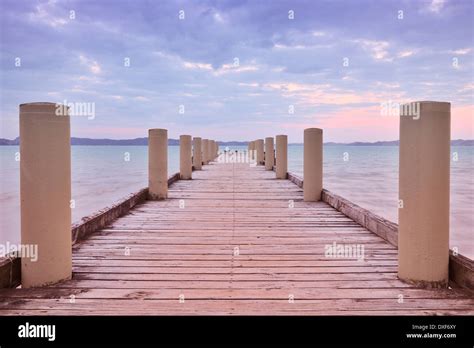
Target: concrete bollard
point(269, 153)
point(185, 158)
point(205, 156)
point(197, 153)
point(423, 233)
point(281, 156)
point(259, 149)
point(214, 149)
point(250, 150)
point(157, 164)
point(45, 193)
point(209, 151)
point(313, 164)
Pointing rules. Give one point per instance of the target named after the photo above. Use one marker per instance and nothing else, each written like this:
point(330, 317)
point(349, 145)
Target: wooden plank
point(235, 306)
point(230, 293)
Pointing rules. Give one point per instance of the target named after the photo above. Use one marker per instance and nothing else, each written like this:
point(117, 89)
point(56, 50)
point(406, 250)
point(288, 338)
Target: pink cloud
point(462, 122)
point(367, 124)
point(353, 124)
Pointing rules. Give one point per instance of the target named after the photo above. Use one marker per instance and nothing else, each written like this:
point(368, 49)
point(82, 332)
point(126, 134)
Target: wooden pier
point(227, 238)
point(233, 241)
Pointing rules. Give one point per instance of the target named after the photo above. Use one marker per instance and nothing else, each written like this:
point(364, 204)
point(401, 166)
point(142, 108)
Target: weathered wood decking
point(228, 242)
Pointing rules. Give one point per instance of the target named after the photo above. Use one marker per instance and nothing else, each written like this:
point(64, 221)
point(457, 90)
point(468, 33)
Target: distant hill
point(118, 142)
point(461, 142)
point(360, 143)
point(458, 142)
point(144, 141)
point(9, 142)
point(88, 141)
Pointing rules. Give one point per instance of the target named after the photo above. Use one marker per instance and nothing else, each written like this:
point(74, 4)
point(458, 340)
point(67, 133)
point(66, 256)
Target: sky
point(237, 70)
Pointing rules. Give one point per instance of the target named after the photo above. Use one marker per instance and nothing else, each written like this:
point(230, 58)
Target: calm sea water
point(366, 175)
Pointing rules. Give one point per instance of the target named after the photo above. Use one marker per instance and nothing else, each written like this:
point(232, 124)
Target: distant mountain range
point(144, 141)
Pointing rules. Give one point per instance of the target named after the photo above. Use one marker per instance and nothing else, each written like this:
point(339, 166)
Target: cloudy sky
point(238, 70)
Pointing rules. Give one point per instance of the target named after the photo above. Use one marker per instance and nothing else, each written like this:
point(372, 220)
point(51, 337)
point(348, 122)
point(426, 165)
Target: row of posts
point(424, 171)
point(193, 154)
point(266, 153)
point(424, 179)
point(312, 162)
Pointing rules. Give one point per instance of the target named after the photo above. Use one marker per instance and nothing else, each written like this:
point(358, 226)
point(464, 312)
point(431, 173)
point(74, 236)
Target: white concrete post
point(197, 153)
point(45, 193)
point(269, 153)
point(185, 157)
point(313, 164)
point(423, 237)
point(281, 156)
point(157, 164)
